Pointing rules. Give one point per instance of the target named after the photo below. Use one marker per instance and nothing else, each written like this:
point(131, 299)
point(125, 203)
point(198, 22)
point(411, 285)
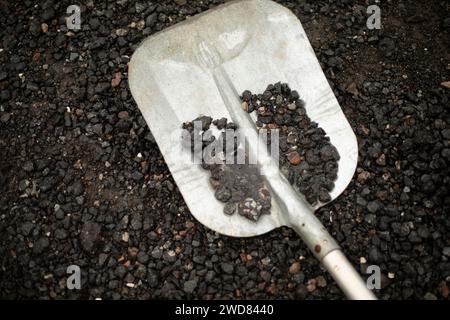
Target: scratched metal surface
point(257, 42)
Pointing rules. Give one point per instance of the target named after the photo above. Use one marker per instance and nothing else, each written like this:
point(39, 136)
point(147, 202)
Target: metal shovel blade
point(199, 67)
point(260, 43)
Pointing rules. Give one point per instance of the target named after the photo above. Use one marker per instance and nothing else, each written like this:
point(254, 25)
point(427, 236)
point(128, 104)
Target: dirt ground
point(73, 190)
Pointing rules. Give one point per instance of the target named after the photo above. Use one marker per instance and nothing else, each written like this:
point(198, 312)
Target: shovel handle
point(346, 276)
point(331, 256)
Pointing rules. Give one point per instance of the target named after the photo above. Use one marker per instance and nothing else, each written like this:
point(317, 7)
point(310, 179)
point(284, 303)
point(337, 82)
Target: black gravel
point(82, 181)
point(237, 182)
point(307, 157)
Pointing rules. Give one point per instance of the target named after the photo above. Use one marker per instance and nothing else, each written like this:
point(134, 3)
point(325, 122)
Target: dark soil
point(82, 181)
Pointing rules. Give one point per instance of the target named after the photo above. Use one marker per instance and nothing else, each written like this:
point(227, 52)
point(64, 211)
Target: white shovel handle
point(346, 276)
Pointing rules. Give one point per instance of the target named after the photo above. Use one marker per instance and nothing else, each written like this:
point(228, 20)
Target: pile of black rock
point(307, 157)
point(238, 184)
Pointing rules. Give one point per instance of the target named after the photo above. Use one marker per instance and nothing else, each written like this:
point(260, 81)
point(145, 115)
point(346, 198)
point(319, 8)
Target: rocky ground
point(83, 182)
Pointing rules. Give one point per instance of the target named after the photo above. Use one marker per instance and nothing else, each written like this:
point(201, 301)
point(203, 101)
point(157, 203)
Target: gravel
point(237, 183)
point(189, 286)
point(61, 137)
point(89, 235)
point(307, 158)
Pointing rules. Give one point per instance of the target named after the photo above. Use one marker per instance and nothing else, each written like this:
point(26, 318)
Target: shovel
point(199, 67)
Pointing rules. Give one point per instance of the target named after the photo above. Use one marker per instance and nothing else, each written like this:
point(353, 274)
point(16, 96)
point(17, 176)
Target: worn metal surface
point(173, 77)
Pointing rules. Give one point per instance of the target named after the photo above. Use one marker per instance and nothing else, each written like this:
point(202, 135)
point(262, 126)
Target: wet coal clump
point(307, 157)
point(237, 183)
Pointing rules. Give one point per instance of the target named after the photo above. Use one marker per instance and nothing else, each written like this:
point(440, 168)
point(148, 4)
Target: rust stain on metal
point(317, 248)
